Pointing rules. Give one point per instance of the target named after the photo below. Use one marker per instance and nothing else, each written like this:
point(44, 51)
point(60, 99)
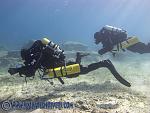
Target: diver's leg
point(107, 64)
point(140, 48)
point(93, 66)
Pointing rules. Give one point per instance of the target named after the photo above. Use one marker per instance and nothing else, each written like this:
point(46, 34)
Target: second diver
point(111, 36)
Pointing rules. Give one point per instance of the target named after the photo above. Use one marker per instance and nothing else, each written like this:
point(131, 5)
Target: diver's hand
point(12, 71)
point(105, 50)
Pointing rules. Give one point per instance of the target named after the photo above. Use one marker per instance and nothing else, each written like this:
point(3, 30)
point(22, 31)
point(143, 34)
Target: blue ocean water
point(70, 20)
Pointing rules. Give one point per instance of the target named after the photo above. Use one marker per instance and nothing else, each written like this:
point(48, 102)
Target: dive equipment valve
point(53, 46)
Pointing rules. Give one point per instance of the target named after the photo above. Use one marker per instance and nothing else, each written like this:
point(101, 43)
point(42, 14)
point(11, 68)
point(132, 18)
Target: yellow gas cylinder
point(45, 41)
point(125, 44)
point(64, 71)
point(131, 41)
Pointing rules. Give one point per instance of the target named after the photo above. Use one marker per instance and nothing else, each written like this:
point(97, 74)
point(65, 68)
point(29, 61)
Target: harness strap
point(65, 69)
point(61, 71)
point(120, 45)
point(55, 76)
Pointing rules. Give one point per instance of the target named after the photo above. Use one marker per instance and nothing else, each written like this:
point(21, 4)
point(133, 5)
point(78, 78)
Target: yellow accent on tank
point(62, 71)
point(125, 44)
point(131, 41)
point(45, 41)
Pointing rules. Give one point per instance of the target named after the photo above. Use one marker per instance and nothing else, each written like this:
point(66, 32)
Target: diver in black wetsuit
point(110, 36)
point(45, 54)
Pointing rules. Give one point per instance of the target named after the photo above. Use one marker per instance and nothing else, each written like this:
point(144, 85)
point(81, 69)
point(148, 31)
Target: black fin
point(117, 75)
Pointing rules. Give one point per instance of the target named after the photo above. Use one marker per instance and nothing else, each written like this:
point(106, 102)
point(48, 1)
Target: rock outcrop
point(74, 46)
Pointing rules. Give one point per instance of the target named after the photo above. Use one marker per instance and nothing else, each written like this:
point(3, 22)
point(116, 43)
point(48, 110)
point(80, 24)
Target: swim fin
point(112, 69)
point(107, 64)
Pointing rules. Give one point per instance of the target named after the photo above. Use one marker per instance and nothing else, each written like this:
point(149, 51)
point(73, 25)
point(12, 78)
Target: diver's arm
point(140, 48)
point(28, 71)
point(107, 46)
point(105, 50)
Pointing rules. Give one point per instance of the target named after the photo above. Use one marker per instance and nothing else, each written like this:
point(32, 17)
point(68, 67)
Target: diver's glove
point(105, 50)
point(12, 71)
point(28, 71)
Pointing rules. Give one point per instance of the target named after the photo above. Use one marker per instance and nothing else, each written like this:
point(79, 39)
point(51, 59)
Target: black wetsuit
point(140, 48)
point(109, 39)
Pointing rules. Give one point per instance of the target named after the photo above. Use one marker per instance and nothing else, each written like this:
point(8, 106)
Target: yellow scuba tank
point(129, 42)
point(45, 41)
point(64, 71)
point(57, 50)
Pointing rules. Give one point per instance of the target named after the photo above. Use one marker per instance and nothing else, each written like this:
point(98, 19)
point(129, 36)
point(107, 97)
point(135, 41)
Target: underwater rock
point(39, 111)
point(84, 107)
point(14, 54)
point(80, 102)
point(4, 62)
point(99, 111)
point(108, 105)
point(74, 46)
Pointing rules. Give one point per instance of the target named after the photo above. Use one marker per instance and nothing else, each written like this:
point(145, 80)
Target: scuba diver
point(112, 37)
point(48, 58)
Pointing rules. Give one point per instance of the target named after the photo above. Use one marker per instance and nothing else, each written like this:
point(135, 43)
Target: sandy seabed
point(96, 92)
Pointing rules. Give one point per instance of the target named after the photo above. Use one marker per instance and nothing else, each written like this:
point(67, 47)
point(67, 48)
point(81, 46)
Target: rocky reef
point(8, 59)
point(14, 54)
point(74, 46)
